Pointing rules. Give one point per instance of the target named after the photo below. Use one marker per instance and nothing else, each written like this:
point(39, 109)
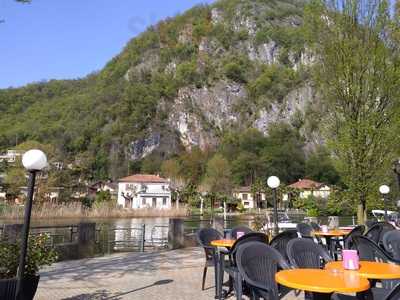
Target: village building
point(11, 156)
point(103, 186)
point(247, 198)
point(307, 187)
point(144, 191)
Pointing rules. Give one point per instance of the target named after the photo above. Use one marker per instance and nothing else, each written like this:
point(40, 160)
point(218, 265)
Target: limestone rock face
point(199, 114)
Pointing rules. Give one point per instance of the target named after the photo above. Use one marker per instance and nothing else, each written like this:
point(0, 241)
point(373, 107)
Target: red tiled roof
point(144, 178)
point(306, 184)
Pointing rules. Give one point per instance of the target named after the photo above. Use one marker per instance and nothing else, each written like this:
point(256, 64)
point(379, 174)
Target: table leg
point(216, 273)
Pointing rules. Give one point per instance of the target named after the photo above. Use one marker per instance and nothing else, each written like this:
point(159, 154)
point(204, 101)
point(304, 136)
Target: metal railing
point(58, 234)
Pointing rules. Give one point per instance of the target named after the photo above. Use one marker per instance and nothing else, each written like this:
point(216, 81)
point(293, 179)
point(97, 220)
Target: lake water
point(114, 235)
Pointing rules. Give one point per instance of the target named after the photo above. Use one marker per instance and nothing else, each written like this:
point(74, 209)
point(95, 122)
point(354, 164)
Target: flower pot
point(29, 286)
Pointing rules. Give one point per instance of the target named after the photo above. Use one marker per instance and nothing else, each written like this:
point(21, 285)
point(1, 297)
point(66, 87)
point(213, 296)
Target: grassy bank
point(77, 210)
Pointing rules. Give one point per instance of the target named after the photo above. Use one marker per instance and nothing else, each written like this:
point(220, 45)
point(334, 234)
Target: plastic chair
point(305, 230)
point(348, 239)
point(376, 232)
point(370, 251)
point(240, 228)
point(235, 281)
point(304, 253)
point(391, 243)
point(204, 238)
point(315, 226)
point(257, 264)
point(280, 241)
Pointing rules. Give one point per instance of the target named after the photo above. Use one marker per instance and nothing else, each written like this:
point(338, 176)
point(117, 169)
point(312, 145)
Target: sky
point(66, 39)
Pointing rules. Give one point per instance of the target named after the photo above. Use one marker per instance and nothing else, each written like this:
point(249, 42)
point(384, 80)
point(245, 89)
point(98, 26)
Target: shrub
point(235, 72)
point(39, 254)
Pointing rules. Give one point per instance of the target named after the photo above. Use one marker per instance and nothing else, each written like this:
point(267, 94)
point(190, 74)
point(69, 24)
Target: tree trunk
point(362, 210)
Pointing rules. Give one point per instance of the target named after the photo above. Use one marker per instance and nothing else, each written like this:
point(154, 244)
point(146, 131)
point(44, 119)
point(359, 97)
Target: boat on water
point(284, 222)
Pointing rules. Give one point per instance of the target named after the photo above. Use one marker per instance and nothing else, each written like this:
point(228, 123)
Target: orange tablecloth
point(322, 281)
point(223, 243)
point(369, 269)
point(331, 233)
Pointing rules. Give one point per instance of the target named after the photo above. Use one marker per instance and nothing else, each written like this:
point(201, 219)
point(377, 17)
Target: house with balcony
point(247, 198)
point(144, 191)
point(307, 187)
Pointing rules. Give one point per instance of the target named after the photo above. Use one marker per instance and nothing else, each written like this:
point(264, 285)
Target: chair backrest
point(315, 226)
point(369, 250)
point(280, 241)
point(391, 243)
point(305, 253)
point(257, 264)
point(348, 239)
point(304, 229)
point(204, 238)
point(250, 237)
point(240, 228)
point(394, 293)
point(376, 232)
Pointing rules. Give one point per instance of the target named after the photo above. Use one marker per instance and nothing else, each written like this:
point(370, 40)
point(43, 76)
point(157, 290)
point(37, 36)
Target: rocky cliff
point(183, 83)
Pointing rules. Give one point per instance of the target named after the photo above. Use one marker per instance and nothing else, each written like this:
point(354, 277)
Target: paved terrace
point(130, 276)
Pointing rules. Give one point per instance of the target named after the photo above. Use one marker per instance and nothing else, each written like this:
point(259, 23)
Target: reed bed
point(77, 210)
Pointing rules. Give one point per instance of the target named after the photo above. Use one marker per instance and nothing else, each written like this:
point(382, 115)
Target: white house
point(144, 191)
point(245, 195)
point(307, 187)
point(11, 155)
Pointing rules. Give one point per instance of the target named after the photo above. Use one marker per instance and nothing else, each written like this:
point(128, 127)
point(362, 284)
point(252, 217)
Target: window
point(143, 201)
point(163, 188)
point(130, 187)
point(244, 196)
point(154, 202)
point(246, 203)
point(164, 201)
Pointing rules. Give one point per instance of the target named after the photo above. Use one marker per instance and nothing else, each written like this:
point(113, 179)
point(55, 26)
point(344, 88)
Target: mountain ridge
point(229, 66)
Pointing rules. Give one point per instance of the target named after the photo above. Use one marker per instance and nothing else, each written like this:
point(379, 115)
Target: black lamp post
point(34, 161)
point(273, 182)
point(384, 190)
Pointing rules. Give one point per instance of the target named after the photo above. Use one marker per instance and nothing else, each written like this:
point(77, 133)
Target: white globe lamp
point(384, 189)
point(273, 182)
point(34, 160)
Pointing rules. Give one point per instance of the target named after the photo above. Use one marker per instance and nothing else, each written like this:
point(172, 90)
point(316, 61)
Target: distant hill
point(229, 66)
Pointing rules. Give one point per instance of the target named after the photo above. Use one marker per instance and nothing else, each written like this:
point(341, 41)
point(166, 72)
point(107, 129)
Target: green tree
point(320, 167)
point(283, 154)
point(358, 74)
point(218, 175)
point(194, 165)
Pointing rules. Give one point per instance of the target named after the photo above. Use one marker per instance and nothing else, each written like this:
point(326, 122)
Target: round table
point(223, 243)
point(331, 233)
point(369, 269)
point(328, 237)
point(322, 283)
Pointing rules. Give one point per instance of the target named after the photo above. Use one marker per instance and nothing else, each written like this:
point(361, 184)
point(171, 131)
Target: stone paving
point(164, 275)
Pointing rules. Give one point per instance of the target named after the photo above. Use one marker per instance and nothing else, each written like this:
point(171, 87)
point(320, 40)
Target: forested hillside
point(216, 79)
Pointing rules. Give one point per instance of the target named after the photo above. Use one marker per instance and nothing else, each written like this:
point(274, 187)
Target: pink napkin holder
point(351, 261)
point(239, 234)
point(324, 228)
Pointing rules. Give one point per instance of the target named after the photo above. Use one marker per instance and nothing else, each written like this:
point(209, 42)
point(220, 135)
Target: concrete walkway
point(164, 275)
